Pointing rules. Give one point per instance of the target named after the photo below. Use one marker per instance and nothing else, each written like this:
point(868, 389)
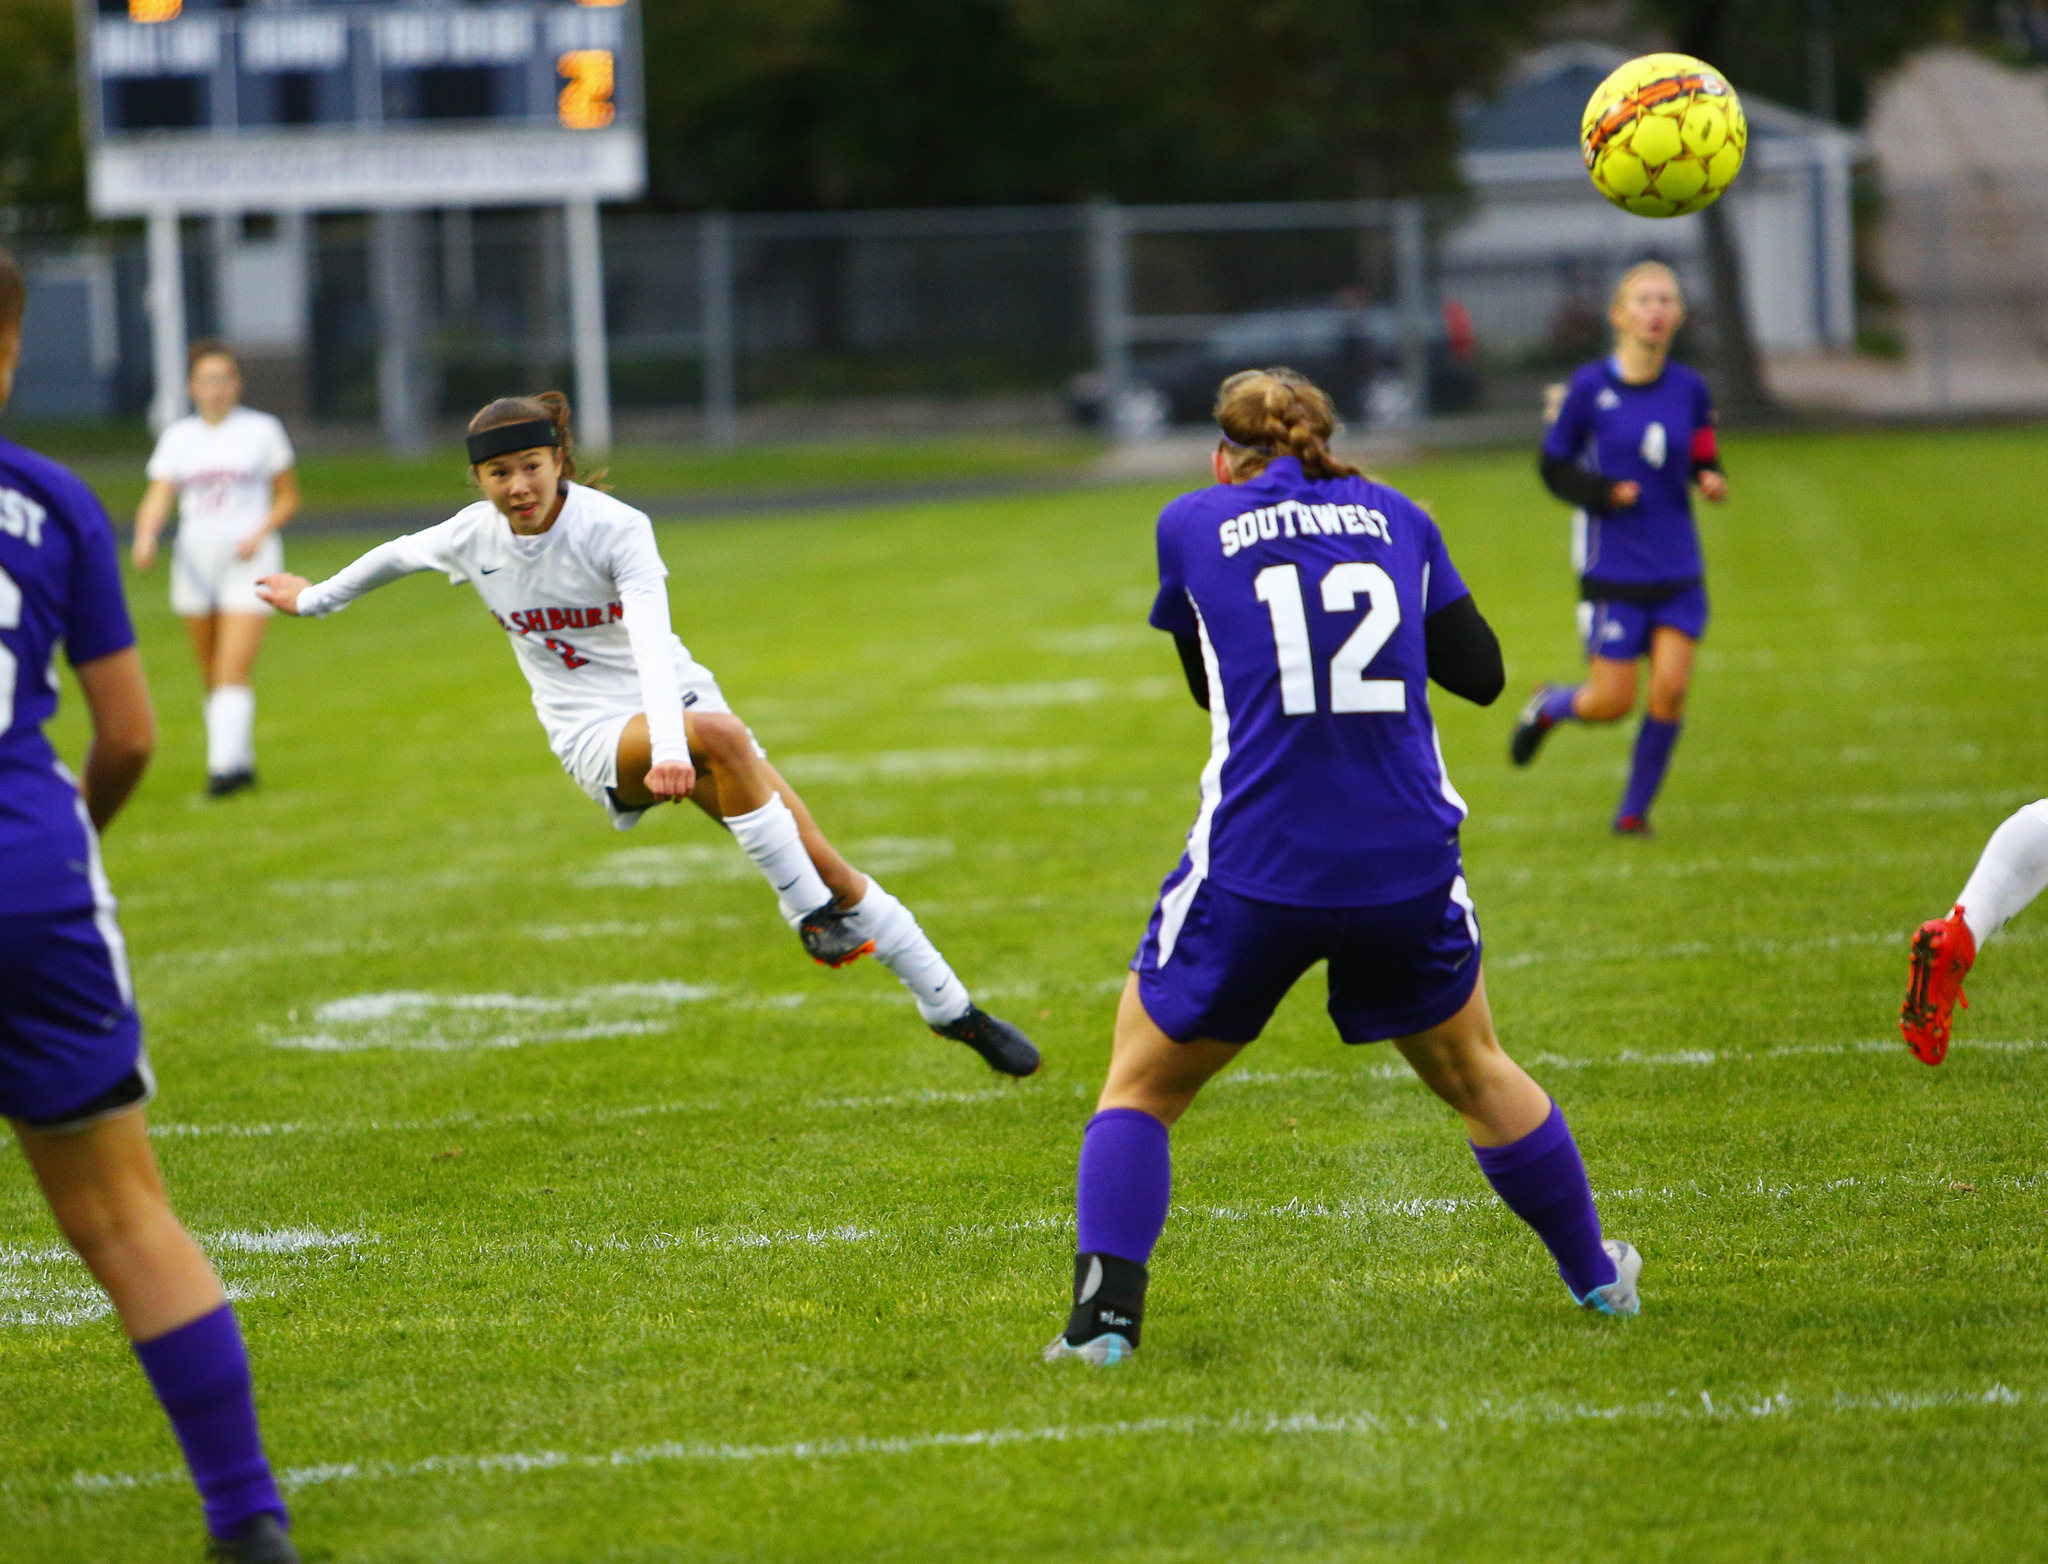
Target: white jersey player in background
point(574, 578)
point(229, 469)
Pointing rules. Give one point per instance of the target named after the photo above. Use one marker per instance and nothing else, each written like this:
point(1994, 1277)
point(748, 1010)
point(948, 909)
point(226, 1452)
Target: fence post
point(395, 281)
point(586, 324)
point(1109, 289)
point(166, 317)
point(1411, 293)
point(1937, 298)
point(715, 327)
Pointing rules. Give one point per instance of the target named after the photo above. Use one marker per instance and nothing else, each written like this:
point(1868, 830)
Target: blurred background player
point(230, 471)
point(73, 1077)
point(2010, 873)
point(1633, 436)
point(574, 577)
point(1311, 608)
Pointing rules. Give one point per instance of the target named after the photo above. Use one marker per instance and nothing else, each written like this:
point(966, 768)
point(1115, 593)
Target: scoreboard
point(197, 105)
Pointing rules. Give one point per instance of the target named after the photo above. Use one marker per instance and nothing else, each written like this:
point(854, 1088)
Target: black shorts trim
point(1593, 590)
point(132, 1089)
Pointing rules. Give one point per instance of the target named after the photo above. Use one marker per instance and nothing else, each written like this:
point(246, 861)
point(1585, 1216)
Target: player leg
point(1614, 635)
point(1526, 1151)
point(2011, 872)
point(105, 1191)
point(839, 913)
point(231, 703)
point(1672, 650)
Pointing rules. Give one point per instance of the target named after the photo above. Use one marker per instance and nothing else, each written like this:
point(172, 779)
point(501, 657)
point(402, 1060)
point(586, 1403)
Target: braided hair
point(1269, 413)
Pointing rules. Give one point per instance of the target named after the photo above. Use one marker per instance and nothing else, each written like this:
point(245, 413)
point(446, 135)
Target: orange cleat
point(1943, 951)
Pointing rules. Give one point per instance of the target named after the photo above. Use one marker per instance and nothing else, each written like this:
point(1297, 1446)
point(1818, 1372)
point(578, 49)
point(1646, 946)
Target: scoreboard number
point(586, 98)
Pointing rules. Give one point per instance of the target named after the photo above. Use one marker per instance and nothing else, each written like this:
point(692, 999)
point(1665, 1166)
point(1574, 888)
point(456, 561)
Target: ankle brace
point(1109, 1297)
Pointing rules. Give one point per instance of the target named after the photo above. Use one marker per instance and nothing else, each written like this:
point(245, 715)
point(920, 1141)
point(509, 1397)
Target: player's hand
point(671, 781)
point(1623, 494)
point(282, 590)
point(1713, 485)
point(144, 552)
point(246, 549)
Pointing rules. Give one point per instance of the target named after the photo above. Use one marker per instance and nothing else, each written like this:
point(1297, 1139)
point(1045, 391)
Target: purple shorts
point(70, 1041)
point(1615, 627)
point(1216, 964)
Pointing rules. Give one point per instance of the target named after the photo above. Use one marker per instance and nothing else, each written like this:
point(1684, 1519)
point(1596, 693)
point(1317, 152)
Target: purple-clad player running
point(1634, 435)
point(1312, 607)
point(73, 1078)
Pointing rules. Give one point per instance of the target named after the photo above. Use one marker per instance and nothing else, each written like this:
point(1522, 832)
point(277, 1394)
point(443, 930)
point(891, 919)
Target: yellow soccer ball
point(1664, 135)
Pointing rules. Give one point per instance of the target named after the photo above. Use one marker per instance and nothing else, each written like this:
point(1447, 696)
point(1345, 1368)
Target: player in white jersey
point(229, 470)
point(574, 578)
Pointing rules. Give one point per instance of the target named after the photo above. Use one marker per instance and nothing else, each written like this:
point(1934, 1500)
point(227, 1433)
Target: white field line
point(1676, 1406)
point(1060, 692)
point(47, 1286)
point(1694, 1058)
point(931, 765)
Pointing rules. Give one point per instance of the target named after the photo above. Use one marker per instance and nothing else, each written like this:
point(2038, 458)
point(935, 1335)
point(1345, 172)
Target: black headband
point(507, 438)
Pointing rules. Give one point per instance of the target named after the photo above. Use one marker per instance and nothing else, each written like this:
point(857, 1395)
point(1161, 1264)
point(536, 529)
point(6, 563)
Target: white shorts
point(207, 578)
point(590, 754)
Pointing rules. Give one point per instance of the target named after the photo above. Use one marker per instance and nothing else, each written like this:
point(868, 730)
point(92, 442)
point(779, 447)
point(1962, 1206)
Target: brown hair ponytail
point(1269, 413)
point(554, 407)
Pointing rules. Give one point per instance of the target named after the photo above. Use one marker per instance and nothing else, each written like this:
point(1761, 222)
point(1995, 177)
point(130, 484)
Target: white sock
point(769, 836)
point(2011, 873)
point(906, 950)
point(230, 730)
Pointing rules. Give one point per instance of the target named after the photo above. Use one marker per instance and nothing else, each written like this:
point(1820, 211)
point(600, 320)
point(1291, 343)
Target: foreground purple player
point(1632, 438)
point(1312, 607)
point(73, 1078)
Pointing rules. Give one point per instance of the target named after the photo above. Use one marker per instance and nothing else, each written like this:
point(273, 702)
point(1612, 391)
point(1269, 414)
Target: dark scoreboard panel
point(226, 66)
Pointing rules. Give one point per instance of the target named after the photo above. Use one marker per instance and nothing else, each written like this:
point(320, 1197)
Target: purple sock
point(200, 1373)
point(1543, 1182)
point(1126, 1177)
point(1654, 743)
point(1557, 703)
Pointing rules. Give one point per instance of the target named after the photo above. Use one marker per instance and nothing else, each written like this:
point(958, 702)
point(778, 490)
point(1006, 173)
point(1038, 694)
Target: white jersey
point(585, 604)
point(223, 471)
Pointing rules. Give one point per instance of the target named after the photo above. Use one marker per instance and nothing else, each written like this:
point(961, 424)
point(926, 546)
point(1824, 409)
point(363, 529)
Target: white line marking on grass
point(43, 1287)
point(1059, 692)
point(1386, 1423)
point(444, 1023)
point(931, 765)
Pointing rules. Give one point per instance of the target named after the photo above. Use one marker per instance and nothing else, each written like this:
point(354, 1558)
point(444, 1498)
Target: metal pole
point(1109, 287)
point(458, 259)
point(166, 317)
point(586, 325)
point(1937, 298)
point(1411, 292)
point(394, 267)
point(715, 314)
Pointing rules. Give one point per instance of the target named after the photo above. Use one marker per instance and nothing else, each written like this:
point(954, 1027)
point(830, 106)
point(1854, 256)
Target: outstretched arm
point(1587, 490)
point(387, 562)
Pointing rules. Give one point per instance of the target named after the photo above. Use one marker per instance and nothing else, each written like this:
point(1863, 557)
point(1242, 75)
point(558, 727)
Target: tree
point(42, 166)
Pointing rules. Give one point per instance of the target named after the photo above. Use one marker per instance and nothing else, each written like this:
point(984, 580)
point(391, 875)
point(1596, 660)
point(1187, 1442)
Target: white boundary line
point(1674, 1406)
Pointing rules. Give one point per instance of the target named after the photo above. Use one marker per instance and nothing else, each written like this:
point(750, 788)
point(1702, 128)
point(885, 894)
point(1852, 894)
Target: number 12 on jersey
point(1279, 588)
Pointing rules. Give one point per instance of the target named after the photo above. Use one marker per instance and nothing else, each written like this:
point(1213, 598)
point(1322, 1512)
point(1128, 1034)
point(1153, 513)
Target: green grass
point(368, 479)
point(792, 1259)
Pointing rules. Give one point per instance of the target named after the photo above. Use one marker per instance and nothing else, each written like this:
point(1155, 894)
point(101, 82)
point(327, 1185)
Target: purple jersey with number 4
point(1325, 785)
point(1642, 434)
point(60, 586)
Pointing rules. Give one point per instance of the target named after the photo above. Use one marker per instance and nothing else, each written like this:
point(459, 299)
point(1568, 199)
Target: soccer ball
point(1663, 136)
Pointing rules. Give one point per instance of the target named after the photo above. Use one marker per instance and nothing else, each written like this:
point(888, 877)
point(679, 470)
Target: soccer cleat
point(1001, 1044)
point(830, 938)
point(229, 782)
point(1532, 727)
point(1633, 825)
point(1943, 951)
point(261, 1539)
point(1618, 1297)
point(1100, 1351)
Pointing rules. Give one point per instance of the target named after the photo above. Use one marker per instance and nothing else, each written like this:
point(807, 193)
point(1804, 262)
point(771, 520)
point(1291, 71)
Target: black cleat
point(1004, 1047)
point(830, 938)
point(260, 1540)
point(1532, 727)
point(230, 782)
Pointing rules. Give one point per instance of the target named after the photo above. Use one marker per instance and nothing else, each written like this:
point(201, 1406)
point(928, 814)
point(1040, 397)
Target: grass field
point(540, 1262)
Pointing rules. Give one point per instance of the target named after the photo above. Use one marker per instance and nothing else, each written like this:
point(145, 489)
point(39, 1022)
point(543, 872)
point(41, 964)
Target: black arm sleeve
point(1573, 484)
point(1464, 653)
point(1191, 664)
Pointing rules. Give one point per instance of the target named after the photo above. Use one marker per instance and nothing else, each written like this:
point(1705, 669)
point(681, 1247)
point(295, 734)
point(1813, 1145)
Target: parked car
point(1353, 352)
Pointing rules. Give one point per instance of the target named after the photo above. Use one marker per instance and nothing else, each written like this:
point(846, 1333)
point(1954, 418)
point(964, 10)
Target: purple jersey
point(1325, 785)
point(60, 584)
point(1648, 435)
